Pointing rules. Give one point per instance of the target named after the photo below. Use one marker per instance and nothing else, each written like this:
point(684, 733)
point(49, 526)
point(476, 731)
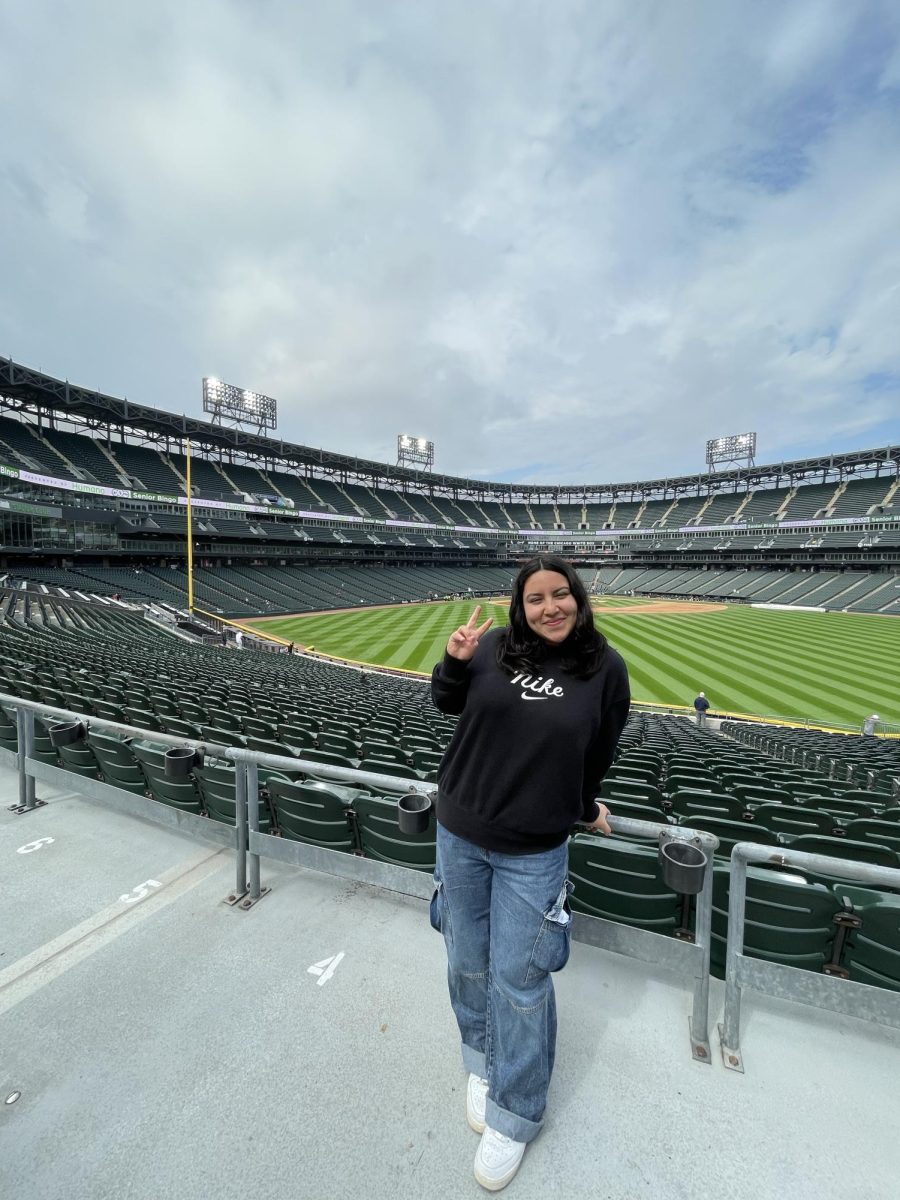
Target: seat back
point(312, 814)
point(792, 820)
point(706, 804)
point(730, 833)
point(788, 919)
point(621, 881)
point(380, 836)
point(872, 952)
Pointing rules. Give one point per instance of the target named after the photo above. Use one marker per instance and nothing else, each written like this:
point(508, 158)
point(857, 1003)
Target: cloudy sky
point(566, 241)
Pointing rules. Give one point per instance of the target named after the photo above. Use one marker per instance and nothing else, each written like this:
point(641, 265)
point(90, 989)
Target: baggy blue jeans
point(506, 924)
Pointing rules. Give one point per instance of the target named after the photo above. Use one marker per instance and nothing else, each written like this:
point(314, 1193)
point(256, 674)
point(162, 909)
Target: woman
point(542, 705)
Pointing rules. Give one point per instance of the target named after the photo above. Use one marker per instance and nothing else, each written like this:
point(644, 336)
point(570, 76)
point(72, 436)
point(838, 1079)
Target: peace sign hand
point(464, 641)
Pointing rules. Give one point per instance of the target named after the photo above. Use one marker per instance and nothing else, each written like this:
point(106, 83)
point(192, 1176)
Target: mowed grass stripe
point(679, 653)
point(722, 664)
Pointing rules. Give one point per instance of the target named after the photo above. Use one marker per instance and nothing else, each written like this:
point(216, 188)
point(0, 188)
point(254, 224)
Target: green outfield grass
point(827, 666)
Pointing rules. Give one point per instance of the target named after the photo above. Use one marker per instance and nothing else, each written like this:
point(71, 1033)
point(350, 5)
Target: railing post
point(24, 750)
point(240, 806)
point(20, 755)
point(253, 827)
point(737, 898)
point(700, 1013)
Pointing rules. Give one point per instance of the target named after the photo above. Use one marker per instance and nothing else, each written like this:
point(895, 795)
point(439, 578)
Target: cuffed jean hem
point(520, 1129)
point(473, 1061)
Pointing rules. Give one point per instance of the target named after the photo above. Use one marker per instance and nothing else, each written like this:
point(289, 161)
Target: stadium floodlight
point(414, 451)
point(238, 405)
point(739, 448)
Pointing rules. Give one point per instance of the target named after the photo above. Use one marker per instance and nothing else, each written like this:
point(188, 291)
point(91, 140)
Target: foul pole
point(190, 532)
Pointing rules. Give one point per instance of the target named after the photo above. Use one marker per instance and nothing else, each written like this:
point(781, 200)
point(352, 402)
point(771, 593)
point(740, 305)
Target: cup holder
point(413, 812)
point(66, 734)
point(683, 866)
point(181, 760)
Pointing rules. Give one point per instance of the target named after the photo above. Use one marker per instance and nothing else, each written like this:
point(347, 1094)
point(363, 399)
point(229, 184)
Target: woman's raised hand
point(464, 641)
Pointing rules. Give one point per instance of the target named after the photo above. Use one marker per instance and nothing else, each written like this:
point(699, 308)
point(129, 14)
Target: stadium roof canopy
point(26, 390)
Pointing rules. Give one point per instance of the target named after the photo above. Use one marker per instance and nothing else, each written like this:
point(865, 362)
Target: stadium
point(211, 637)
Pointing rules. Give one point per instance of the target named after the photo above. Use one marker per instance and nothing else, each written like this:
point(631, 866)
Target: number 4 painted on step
point(326, 968)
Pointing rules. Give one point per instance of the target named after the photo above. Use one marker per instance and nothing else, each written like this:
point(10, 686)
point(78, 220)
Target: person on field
point(869, 725)
point(701, 707)
point(542, 704)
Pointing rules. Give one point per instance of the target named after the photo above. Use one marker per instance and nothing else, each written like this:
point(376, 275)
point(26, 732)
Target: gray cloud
point(567, 242)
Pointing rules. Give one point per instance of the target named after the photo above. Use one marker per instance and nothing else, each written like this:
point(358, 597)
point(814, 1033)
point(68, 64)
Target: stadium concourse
point(165, 1036)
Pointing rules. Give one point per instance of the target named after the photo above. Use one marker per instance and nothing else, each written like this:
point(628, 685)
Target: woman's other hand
point(601, 825)
point(464, 641)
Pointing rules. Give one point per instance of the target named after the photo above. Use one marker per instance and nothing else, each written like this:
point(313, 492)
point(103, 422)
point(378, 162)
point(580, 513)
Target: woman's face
point(550, 607)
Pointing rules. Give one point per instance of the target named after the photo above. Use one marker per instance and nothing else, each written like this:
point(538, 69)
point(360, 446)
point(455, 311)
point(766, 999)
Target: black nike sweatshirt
point(529, 752)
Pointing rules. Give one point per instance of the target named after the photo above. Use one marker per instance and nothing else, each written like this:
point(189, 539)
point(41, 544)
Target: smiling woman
point(514, 780)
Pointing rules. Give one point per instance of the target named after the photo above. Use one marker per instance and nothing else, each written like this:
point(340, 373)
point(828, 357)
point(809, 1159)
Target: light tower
point(238, 406)
point(414, 451)
point(739, 448)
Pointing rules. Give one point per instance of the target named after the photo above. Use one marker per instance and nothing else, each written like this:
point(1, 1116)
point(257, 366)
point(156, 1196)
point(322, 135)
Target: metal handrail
point(776, 979)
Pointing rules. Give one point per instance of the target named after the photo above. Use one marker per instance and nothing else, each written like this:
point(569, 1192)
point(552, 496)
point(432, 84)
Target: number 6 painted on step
point(30, 847)
point(142, 890)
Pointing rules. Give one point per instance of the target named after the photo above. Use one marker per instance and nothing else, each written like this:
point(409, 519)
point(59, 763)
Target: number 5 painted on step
point(142, 890)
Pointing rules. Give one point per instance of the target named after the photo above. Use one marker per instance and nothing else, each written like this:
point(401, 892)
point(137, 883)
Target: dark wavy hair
point(519, 648)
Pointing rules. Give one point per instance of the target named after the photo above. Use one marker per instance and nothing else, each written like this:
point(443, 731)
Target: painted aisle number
point(30, 847)
point(326, 968)
point(142, 890)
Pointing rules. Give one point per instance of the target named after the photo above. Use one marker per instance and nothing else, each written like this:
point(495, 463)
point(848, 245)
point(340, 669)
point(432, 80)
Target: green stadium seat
point(838, 807)
point(317, 815)
point(757, 794)
point(380, 836)
point(706, 804)
point(256, 728)
point(175, 793)
point(223, 736)
point(8, 733)
point(620, 881)
point(792, 820)
point(730, 833)
point(883, 833)
point(387, 767)
point(296, 736)
point(872, 952)
point(384, 751)
point(181, 728)
point(788, 919)
point(620, 807)
point(847, 849)
point(338, 743)
point(117, 763)
point(611, 789)
point(216, 783)
point(426, 762)
point(330, 758)
point(80, 760)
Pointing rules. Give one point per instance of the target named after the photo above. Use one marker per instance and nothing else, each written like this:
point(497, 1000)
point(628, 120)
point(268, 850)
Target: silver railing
point(250, 845)
point(790, 983)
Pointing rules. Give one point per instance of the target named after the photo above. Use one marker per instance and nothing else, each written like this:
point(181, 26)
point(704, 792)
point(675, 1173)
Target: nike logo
point(527, 697)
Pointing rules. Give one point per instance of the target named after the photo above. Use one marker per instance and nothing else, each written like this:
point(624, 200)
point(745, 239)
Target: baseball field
point(831, 667)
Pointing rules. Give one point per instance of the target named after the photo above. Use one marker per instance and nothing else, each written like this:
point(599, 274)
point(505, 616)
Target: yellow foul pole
point(190, 533)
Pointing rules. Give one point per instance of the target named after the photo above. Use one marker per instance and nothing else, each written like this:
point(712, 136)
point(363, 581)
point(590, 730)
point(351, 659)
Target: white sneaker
point(497, 1159)
point(476, 1095)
